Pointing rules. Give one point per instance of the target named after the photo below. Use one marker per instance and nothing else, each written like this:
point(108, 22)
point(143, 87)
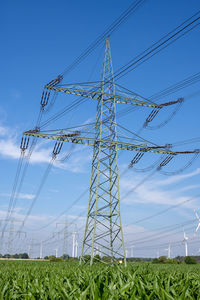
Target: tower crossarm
point(96, 93)
point(109, 144)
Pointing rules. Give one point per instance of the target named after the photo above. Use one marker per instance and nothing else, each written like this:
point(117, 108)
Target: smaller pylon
point(65, 235)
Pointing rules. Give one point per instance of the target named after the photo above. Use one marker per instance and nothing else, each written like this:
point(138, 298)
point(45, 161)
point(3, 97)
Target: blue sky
point(39, 40)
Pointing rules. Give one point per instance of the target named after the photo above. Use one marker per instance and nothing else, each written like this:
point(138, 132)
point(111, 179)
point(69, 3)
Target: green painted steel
point(103, 230)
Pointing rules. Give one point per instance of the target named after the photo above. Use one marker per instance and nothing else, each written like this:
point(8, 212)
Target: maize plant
point(67, 280)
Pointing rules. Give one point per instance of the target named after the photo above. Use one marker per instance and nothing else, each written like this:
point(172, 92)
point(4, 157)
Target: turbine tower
point(76, 248)
point(185, 239)
point(74, 244)
point(56, 252)
point(168, 251)
point(41, 249)
point(103, 229)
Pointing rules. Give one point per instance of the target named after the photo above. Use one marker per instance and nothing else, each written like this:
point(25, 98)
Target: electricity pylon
point(11, 232)
point(65, 235)
point(103, 226)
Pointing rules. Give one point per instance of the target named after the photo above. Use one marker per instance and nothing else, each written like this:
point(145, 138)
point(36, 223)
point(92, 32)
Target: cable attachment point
point(168, 146)
point(44, 99)
point(55, 81)
point(135, 160)
point(179, 100)
point(197, 151)
point(57, 148)
point(165, 161)
point(151, 116)
point(24, 143)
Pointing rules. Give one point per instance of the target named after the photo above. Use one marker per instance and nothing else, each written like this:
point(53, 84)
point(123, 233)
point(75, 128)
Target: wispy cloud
point(157, 192)
point(78, 162)
point(20, 196)
point(178, 178)
point(9, 149)
point(3, 131)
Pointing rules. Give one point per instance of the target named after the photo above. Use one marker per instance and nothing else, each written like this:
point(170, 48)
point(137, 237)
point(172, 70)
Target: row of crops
point(48, 280)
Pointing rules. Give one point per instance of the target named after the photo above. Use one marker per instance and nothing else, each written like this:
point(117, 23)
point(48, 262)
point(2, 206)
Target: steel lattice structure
point(103, 228)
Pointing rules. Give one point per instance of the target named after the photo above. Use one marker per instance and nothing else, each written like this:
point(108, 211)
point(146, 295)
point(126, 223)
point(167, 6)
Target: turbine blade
point(198, 227)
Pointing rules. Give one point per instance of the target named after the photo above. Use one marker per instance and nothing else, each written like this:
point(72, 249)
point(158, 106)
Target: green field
point(65, 280)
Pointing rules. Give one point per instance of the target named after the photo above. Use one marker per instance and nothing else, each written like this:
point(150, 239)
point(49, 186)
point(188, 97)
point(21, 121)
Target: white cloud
point(3, 131)
point(20, 196)
point(189, 187)
point(78, 162)
point(35, 222)
point(177, 178)
point(9, 148)
point(154, 191)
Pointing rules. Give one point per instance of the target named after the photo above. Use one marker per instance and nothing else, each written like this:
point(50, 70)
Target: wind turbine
point(168, 251)
point(56, 250)
point(185, 239)
point(76, 248)
point(41, 248)
point(198, 219)
point(74, 244)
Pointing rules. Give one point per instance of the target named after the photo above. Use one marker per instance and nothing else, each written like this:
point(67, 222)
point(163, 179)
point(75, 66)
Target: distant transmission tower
point(10, 238)
point(11, 232)
point(30, 248)
point(65, 235)
point(103, 228)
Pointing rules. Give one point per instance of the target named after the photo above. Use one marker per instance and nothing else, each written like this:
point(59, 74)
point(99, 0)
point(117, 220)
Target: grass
point(48, 280)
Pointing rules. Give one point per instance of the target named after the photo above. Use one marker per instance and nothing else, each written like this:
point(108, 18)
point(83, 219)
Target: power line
point(86, 191)
point(156, 246)
point(168, 227)
point(19, 166)
point(167, 91)
point(64, 211)
point(132, 62)
point(178, 32)
point(23, 147)
point(189, 141)
point(166, 210)
point(108, 32)
point(186, 166)
point(192, 79)
point(161, 234)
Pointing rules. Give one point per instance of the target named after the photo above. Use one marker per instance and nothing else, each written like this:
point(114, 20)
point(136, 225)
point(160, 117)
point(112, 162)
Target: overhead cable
point(164, 42)
point(167, 209)
point(108, 32)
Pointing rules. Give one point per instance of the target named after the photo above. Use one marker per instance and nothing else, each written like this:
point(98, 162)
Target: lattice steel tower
point(103, 228)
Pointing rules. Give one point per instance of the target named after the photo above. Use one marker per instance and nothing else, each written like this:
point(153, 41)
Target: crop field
point(64, 280)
